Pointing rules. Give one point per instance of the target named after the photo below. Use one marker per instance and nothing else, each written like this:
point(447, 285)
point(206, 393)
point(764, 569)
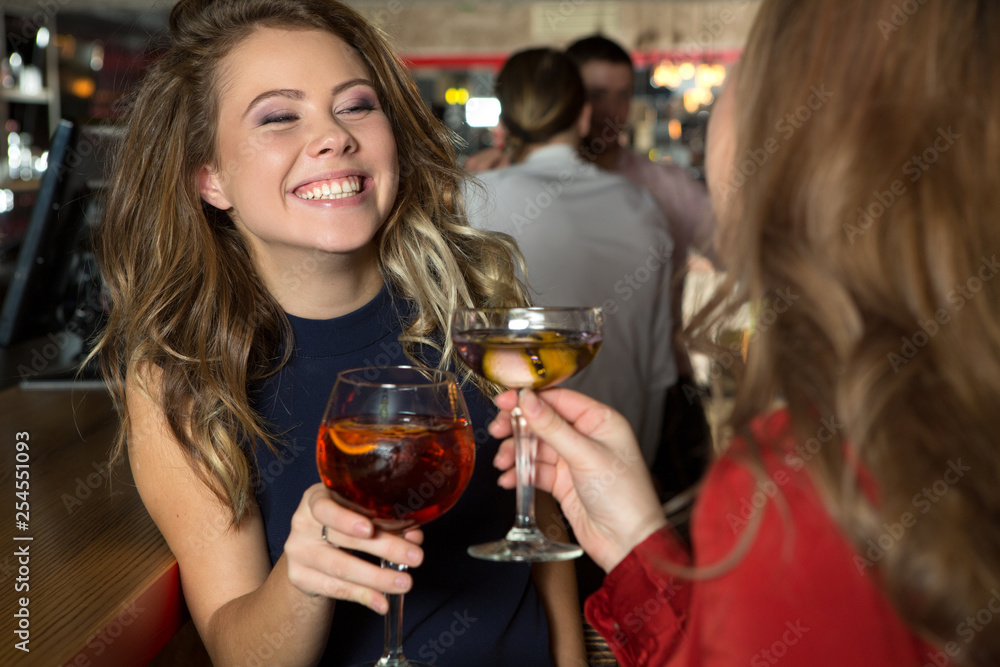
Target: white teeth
point(347, 187)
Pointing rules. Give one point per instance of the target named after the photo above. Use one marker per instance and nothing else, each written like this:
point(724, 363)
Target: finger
point(343, 565)
point(584, 413)
point(388, 546)
point(308, 547)
point(414, 535)
point(508, 480)
point(327, 512)
point(545, 477)
point(350, 530)
point(506, 401)
point(551, 426)
point(505, 455)
point(501, 427)
point(314, 582)
point(343, 576)
point(589, 417)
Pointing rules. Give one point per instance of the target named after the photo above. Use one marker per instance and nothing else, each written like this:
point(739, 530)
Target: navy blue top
point(461, 611)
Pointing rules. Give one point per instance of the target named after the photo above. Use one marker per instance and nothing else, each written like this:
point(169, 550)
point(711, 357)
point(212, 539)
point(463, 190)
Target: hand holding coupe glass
point(589, 460)
point(526, 348)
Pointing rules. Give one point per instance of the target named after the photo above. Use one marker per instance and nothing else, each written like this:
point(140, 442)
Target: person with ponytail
point(284, 206)
point(852, 514)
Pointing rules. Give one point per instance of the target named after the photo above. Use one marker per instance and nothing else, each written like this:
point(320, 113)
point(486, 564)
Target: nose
point(331, 138)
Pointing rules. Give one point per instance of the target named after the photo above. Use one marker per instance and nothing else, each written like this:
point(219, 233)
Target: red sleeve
point(641, 609)
point(794, 590)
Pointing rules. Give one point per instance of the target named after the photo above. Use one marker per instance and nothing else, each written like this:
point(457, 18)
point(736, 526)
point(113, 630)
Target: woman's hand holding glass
point(317, 569)
point(387, 432)
point(589, 460)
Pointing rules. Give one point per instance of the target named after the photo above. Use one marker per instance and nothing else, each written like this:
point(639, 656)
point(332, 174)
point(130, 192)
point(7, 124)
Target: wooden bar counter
point(84, 570)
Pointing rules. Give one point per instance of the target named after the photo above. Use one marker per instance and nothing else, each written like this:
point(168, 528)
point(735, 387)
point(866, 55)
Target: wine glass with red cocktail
point(396, 445)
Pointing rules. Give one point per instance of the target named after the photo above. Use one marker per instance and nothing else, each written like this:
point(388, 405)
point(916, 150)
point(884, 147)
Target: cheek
point(244, 165)
point(720, 155)
point(602, 110)
point(717, 155)
point(392, 167)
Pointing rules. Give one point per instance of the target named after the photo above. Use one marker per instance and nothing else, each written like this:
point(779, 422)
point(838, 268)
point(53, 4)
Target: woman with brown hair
point(284, 206)
point(852, 167)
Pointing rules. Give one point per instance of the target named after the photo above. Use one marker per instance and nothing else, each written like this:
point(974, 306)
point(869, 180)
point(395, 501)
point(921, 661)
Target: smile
point(340, 188)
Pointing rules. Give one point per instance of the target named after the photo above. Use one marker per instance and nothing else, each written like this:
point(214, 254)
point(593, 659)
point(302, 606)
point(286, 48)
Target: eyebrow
point(293, 94)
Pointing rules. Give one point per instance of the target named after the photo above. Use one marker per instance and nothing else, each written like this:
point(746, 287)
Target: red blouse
point(800, 595)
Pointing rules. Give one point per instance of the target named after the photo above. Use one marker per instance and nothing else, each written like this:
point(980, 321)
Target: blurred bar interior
point(75, 59)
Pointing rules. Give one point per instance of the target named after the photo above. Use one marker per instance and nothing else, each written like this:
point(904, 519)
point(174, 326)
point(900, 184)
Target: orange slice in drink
point(352, 438)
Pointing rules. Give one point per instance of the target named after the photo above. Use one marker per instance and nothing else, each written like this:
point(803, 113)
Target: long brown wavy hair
point(185, 297)
point(865, 181)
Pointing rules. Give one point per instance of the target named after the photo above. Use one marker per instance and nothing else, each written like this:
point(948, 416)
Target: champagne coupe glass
point(526, 348)
point(396, 445)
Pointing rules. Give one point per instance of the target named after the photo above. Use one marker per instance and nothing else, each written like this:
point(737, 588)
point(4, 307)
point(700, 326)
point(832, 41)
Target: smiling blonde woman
point(284, 206)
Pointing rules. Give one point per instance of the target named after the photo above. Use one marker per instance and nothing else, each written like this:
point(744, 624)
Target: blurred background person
point(609, 77)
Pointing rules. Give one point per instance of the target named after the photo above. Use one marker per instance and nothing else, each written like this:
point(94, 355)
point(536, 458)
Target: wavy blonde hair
point(171, 261)
point(868, 137)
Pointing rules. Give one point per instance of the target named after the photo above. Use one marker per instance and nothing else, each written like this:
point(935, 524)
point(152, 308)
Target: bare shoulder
point(217, 561)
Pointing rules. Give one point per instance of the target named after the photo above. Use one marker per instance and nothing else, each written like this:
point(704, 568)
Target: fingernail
point(529, 403)
point(413, 555)
point(363, 529)
point(381, 607)
point(402, 582)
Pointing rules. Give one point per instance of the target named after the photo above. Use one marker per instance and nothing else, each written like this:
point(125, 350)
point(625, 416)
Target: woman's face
point(306, 156)
point(720, 149)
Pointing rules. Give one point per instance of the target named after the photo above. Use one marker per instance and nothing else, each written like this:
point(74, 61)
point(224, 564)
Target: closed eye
point(358, 108)
point(279, 118)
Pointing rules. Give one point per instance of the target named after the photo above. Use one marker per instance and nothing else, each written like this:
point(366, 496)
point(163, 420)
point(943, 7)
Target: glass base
point(525, 546)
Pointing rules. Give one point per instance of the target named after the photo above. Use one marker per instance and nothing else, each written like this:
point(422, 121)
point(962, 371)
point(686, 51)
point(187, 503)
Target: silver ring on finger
point(323, 535)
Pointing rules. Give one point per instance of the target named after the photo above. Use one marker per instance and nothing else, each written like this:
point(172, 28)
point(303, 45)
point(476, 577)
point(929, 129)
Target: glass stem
point(525, 445)
point(392, 655)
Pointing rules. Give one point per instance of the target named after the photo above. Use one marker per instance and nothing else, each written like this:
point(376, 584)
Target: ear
point(210, 187)
point(583, 122)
